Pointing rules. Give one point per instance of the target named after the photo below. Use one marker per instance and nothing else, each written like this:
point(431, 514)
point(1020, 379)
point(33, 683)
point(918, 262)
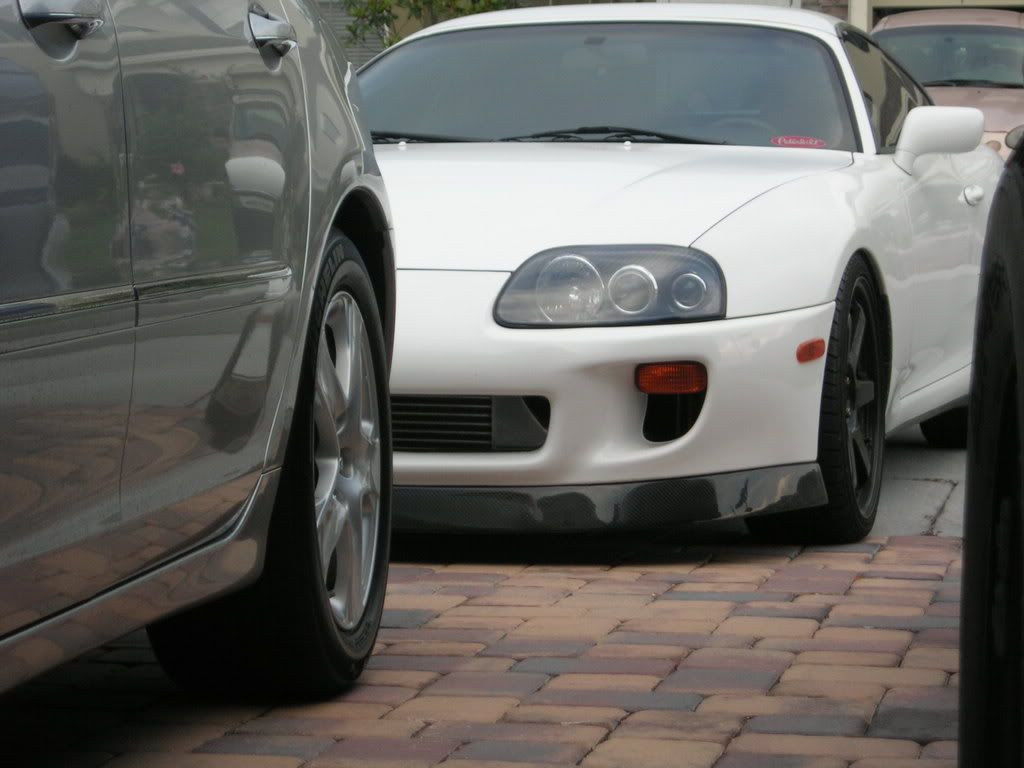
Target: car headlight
point(612, 285)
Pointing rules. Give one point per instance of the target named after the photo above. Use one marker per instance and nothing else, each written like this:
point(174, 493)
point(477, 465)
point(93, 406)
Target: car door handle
point(81, 17)
point(973, 194)
point(271, 31)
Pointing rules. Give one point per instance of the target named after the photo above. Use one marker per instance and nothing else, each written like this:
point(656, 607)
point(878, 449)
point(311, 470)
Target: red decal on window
point(808, 142)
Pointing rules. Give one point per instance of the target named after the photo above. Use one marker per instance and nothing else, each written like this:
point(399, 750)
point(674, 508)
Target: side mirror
point(928, 130)
point(1013, 137)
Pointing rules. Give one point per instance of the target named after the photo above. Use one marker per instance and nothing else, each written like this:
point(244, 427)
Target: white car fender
point(807, 231)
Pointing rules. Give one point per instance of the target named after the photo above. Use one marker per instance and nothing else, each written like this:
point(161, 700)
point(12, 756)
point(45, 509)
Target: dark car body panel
point(994, 522)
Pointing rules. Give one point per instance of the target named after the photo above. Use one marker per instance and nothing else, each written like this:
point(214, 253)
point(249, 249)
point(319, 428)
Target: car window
point(739, 84)
point(888, 93)
point(959, 56)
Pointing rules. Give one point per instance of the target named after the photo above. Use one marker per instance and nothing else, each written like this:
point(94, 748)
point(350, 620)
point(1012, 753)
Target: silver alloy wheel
point(346, 456)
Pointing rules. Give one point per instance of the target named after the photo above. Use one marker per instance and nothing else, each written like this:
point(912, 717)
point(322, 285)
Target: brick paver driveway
point(729, 655)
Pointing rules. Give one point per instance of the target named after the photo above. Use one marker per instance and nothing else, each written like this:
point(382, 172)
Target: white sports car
point(668, 263)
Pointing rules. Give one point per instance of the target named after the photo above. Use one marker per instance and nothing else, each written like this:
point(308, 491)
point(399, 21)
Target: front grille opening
point(469, 424)
point(669, 417)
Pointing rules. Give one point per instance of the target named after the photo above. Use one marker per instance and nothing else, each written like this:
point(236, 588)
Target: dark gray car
point(196, 314)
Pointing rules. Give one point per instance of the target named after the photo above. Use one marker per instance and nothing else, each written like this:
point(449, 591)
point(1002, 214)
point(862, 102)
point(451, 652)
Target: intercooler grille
point(469, 424)
point(441, 424)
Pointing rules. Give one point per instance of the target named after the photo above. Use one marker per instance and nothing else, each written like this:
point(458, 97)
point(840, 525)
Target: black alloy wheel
point(864, 428)
point(851, 432)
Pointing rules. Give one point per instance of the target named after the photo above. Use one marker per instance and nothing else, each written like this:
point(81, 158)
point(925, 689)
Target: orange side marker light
point(671, 378)
point(810, 350)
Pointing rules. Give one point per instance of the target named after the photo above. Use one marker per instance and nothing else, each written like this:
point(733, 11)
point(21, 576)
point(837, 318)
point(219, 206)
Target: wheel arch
point(361, 216)
point(883, 298)
point(362, 219)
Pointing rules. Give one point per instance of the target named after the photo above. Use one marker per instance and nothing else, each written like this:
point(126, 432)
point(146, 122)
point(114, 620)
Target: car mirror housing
point(929, 130)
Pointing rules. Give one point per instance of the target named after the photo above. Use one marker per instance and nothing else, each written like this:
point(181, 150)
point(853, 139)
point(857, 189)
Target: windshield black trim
point(895, 62)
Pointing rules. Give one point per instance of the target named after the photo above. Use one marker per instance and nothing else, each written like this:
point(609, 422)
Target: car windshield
point(665, 83)
point(964, 56)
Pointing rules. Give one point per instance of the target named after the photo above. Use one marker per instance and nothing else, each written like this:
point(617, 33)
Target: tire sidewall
point(992, 375)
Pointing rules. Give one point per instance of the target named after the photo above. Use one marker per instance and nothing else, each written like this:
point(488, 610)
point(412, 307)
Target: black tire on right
point(850, 513)
point(948, 430)
point(992, 621)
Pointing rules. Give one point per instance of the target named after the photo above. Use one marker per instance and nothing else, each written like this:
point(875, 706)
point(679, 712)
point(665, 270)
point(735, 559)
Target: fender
point(336, 177)
point(808, 230)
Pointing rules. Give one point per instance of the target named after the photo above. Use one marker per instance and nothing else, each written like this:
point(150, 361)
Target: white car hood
point(480, 206)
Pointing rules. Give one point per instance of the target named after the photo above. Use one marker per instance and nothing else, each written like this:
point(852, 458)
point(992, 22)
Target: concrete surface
point(923, 489)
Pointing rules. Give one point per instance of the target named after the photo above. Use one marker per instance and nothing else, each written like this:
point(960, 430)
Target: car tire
point(992, 635)
point(851, 432)
point(307, 626)
point(947, 430)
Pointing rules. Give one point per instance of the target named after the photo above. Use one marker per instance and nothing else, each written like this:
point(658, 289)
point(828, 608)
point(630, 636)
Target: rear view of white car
point(662, 264)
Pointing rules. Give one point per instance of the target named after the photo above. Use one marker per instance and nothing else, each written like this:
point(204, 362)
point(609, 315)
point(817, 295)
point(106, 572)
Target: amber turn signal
point(671, 378)
point(810, 350)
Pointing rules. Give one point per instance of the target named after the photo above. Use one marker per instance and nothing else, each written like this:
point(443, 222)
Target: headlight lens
point(613, 285)
point(632, 290)
point(689, 291)
point(569, 290)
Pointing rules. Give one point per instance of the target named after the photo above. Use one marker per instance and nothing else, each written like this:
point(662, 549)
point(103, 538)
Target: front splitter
point(647, 505)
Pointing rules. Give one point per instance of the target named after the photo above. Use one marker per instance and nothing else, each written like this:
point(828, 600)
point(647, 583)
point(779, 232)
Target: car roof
point(642, 12)
point(951, 17)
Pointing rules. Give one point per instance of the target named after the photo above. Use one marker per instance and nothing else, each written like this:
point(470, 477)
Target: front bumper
point(651, 505)
point(761, 407)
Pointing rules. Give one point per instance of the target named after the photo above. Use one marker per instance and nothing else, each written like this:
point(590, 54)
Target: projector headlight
point(591, 285)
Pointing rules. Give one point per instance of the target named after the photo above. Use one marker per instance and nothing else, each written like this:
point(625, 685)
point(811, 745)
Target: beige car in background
point(965, 57)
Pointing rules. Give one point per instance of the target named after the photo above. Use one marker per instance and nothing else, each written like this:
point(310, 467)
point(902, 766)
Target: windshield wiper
point(394, 137)
point(614, 132)
point(967, 83)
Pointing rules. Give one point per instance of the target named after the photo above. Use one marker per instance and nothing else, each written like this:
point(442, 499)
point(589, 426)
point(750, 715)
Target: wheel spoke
point(851, 453)
point(859, 324)
point(341, 604)
point(354, 566)
point(369, 512)
point(862, 453)
point(329, 528)
point(328, 388)
point(326, 399)
point(353, 383)
point(865, 393)
point(368, 426)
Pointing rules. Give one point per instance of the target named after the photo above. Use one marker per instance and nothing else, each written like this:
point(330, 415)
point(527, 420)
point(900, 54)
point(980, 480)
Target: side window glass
point(916, 94)
point(888, 94)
